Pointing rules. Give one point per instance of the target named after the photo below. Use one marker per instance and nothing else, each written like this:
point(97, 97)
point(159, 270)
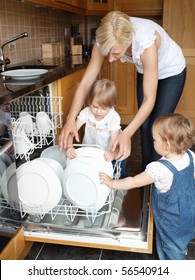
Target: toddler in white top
point(102, 122)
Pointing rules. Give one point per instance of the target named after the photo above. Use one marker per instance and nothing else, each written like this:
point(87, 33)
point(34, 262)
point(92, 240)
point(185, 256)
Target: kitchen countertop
point(64, 66)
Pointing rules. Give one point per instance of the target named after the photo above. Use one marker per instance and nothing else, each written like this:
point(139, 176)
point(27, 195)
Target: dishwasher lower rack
point(69, 212)
point(64, 208)
point(33, 105)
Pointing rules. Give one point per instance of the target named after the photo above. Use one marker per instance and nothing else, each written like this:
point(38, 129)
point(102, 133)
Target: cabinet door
point(74, 6)
point(66, 88)
point(181, 29)
point(124, 76)
point(99, 7)
point(140, 7)
point(105, 70)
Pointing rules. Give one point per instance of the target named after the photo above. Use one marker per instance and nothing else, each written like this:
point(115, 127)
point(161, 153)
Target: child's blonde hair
point(105, 91)
point(177, 130)
point(115, 27)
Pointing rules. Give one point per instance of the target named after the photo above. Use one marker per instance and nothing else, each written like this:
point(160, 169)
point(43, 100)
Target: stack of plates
point(9, 186)
point(80, 182)
point(35, 184)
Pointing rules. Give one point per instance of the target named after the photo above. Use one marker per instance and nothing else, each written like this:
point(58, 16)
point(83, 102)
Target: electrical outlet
point(12, 46)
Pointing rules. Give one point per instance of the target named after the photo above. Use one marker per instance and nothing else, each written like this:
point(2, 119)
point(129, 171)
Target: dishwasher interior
point(125, 214)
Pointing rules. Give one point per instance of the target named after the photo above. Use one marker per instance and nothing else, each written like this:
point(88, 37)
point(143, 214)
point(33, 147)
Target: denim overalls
point(174, 213)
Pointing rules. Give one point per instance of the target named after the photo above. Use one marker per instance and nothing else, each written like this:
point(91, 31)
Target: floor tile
point(63, 252)
point(35, 251)
point(120, 255)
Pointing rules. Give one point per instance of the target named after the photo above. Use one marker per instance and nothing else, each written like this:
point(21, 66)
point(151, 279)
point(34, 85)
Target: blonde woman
point(161, 73)
point(173, 193)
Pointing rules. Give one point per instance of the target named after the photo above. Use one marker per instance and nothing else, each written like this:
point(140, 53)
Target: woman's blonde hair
point(115, 27)
point(105, 91)
point(177, 130)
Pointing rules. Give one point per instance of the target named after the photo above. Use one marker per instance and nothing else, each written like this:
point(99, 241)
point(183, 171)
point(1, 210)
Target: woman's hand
point(123, 143)
point(68, 128)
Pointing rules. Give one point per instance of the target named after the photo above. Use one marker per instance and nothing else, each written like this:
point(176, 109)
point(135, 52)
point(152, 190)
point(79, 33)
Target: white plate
point(55, 165)
point(6, 159)
point(9, 186)
point(92, 152)
point(54, 153)
point(82, 187)
point(3, 167)
point(98, 165)
point(22, 74)
point(39, 188)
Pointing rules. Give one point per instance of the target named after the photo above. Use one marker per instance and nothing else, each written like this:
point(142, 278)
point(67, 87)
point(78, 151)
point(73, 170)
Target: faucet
point(4, 61)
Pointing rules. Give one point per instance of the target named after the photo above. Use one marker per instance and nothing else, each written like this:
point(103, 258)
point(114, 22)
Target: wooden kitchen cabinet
point(139, 7)
point(66, 88)
point(179, 22)
point(101, 7)
point(105, 72)
point(74, 6)
point(96, 7)
point(124, 76)
point(17, 248)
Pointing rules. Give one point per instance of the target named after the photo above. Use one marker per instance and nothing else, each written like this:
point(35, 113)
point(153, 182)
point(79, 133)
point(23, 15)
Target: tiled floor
point(43, 251)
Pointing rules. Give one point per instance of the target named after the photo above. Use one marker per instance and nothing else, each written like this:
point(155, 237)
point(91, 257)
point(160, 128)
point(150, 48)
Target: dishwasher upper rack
point(33, 105)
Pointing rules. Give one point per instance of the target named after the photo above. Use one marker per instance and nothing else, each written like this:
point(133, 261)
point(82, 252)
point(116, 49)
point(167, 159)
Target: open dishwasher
point(124, 222)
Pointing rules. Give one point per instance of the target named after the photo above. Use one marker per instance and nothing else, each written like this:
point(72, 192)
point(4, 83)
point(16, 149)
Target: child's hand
point(105, 179)
point(71, 153)
point(109, 156)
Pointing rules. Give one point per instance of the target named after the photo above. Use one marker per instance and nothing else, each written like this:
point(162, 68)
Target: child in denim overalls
point(173, 193)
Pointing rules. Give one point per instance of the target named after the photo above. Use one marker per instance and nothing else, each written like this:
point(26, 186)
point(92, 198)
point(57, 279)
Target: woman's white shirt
point(170, 57)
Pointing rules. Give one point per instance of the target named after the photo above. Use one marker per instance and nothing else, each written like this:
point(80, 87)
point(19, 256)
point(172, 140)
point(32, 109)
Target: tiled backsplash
point(42, 24)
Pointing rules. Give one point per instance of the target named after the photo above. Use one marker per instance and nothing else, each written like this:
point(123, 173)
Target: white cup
point(43, 122)
point(27, 120)
point(22, 144)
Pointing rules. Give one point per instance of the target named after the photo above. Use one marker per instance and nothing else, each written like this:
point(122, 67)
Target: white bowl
point(53, 152)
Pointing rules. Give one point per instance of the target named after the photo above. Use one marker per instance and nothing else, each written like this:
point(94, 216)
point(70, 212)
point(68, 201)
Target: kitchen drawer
point(17, 248)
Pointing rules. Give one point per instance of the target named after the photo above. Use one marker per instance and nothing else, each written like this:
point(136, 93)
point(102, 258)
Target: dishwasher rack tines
point(36, 137)
point(65, 209)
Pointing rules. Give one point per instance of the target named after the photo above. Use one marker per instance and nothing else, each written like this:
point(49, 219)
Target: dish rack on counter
point(33, 105)
point(64, 208)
